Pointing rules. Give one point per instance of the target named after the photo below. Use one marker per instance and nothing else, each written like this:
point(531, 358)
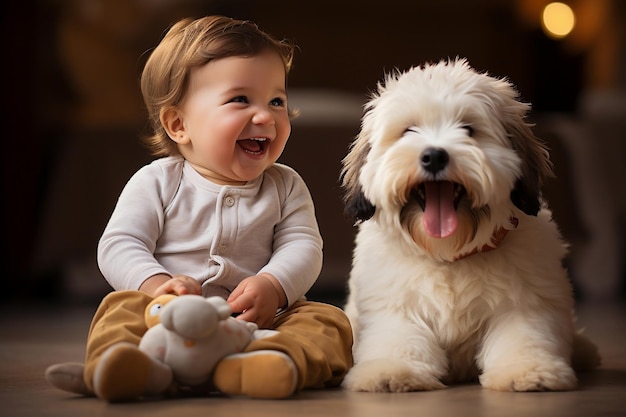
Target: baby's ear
point(173, 123)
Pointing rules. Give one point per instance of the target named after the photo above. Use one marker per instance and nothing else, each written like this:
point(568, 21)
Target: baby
point(215, 215)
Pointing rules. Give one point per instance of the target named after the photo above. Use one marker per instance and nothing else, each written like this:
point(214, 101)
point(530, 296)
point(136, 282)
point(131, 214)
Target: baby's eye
point(278, 102)
point(239, 99)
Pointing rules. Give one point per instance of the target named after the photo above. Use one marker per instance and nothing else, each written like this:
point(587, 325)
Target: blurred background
point(73, 116)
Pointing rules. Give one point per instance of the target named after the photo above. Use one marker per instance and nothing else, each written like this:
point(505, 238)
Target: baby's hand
point(258, 298)
point(176, 284)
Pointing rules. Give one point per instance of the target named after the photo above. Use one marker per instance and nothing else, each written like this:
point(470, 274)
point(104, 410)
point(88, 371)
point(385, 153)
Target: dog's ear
point(536, 166)
point(357, 207)
point(526, 197)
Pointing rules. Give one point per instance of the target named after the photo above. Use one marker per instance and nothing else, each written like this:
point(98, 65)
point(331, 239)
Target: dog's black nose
point(434, 160)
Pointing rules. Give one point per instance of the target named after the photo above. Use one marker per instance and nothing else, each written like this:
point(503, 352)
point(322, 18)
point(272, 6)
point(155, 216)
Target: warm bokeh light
point(558, 20)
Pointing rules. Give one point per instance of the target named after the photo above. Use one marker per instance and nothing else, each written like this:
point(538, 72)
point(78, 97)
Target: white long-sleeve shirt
point(171, 220)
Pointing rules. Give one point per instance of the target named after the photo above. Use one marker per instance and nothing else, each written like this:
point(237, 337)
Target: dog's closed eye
point(469, 129)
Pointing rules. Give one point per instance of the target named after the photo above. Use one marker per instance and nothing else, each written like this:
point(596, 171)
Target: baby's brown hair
point(191, 44)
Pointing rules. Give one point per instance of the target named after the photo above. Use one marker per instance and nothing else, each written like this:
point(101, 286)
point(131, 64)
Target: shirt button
point(229, 201)
point(222, 248)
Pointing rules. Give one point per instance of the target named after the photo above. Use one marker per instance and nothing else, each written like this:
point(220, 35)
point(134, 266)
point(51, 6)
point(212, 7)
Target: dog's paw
point(389, 376)
point(531, 376)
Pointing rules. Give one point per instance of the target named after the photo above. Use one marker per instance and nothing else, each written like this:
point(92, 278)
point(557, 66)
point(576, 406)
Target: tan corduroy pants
point(316, 336)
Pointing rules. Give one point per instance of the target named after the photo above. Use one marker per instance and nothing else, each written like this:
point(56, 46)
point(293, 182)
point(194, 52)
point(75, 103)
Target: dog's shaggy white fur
point(457, 270)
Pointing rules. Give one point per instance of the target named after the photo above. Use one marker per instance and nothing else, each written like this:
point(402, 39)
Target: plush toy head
point(191, 334)
point(152, 314)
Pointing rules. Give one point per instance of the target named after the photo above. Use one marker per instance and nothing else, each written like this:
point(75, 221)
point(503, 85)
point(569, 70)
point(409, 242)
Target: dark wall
point(73, 115)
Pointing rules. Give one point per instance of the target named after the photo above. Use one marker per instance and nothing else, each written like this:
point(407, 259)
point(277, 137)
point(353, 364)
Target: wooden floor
point(32, 340)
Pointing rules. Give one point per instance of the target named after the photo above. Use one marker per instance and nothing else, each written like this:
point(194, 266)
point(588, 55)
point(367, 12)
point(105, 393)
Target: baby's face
point(234, 123)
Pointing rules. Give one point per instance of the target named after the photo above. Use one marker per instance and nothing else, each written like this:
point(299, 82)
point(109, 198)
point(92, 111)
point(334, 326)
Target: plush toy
point(190, 334)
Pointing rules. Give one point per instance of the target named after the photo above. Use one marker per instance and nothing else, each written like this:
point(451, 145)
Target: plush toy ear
point(221, 306)
point(356, 206)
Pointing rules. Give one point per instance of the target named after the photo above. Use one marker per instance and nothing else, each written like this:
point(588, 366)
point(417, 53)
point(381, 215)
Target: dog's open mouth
point(439, 201)
point(254, 146)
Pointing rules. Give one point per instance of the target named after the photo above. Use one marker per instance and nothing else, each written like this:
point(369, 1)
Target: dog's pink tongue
point(440, 218)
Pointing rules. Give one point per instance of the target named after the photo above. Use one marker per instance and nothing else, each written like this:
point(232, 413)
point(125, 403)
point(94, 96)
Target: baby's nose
point(263, 116)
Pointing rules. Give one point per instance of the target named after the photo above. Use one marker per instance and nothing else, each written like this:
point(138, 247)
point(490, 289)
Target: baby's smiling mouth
point(253, 146)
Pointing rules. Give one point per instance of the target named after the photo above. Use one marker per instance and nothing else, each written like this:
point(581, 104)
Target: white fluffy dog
point(457, 269)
